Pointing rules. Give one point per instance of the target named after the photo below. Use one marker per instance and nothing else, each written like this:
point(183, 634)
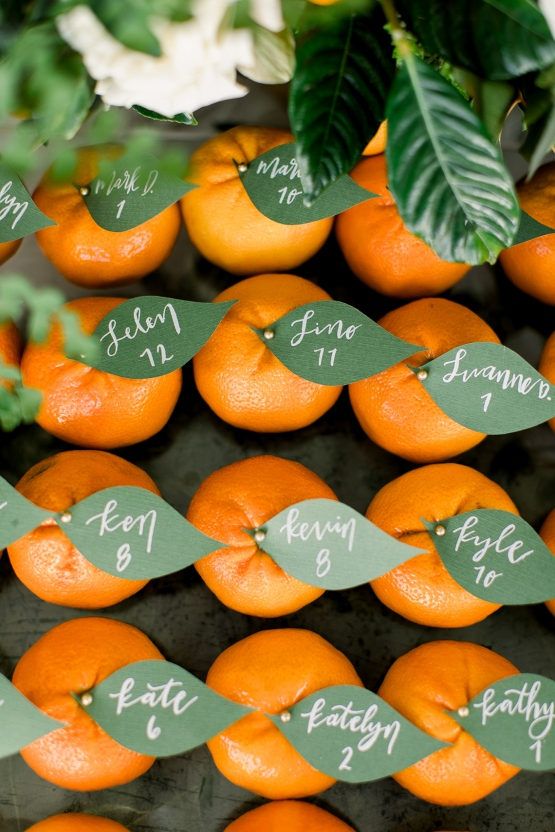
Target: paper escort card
point(127, 531)
point(352, 734)
point(330, 342)
point(496, 556)
point(160, 709)
point(21, 722)
point(18, 515)
point(151, 336)
point(330, 545)
point(488, 388)
point(273, 183)
point(126, 194)
point(19, 216)
point(132, 533)
point(529, 229)
point(515, 720)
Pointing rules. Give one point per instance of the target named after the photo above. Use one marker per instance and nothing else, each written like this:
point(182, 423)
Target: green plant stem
point(398, 33)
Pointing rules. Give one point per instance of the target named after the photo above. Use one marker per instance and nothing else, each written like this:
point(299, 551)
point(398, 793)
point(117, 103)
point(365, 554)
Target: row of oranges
point(247, 386)
point(264, 671)
point(228, 229)
point(245, 495)
point(279, 816)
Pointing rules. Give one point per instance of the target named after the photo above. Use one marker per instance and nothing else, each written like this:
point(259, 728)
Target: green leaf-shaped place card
point(496, 556)
point(150, 336)
point(328, 544)
point(17, 514)
point(529, 229)
point(21, 722)
point(352, 734)
point(19, 215)
point(488, 388)
point(273, 183)
point(158, 708)
point(132, 533)
point(126, 194)
point(515, 720)
point(330, 342)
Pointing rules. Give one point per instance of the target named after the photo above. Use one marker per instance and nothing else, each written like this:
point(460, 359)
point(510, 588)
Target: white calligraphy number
point(323, 563)
point(288, 195)
point(488, 578)
point(521, 702)
point(321, 351)
point(344, 765)
point(143, 525)
point(161, 350)
point(123, 557)
point(153, 731)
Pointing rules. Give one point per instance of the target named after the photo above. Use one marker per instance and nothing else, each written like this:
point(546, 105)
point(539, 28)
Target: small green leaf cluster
point(41, 308)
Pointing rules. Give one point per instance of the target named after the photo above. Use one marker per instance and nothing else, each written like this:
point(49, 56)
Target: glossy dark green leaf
point(352, 734)
point(160, 709)
point(181, 118)
point(337, 98)
point(496, 556)
point(496, 39)
point(539, 116)
point(492, 101)
point(514, 718)
point(448, 178)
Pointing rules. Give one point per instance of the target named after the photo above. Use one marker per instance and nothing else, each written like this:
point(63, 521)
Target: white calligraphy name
point(337, 328)
point(111, 522)
point(140, 327)
point(10, 204)
point(507, 379)
point(539, 716)
point(167, 696)
point(483, 545)
point(278, 168)
point(356, 721)
point(303, 530)
point(127, 181)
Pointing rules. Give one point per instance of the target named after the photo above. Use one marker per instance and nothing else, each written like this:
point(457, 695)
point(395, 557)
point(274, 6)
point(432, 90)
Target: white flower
point(197, 66)
point(548, 9)
point(268, 14)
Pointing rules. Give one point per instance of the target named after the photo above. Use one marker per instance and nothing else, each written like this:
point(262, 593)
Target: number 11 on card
point(321, 353)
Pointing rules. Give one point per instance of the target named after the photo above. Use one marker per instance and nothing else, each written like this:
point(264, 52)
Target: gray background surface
point(187, 794)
